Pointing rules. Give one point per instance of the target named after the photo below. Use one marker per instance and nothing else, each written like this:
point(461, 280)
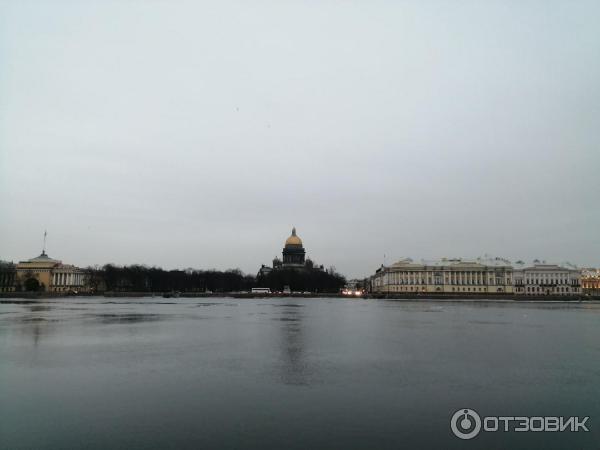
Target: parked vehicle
point(259, 290)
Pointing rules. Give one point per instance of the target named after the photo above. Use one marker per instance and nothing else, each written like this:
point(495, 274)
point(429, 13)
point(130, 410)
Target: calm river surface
point(155, 373)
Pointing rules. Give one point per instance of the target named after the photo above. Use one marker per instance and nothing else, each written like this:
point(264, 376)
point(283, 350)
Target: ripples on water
point(275, 373)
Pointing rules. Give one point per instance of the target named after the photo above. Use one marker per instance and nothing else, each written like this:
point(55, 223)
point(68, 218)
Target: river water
point(283, 373)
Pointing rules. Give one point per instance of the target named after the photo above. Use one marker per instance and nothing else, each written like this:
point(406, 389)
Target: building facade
point(547, 279)
point(444, 276)
point(45, 274)
point(590, 281)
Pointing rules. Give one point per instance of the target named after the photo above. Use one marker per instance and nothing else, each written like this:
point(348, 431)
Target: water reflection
point(143, 375)
point(39, 308)
point(295, 368)
point(126, 318)
point(33, 324)
point(39, 320)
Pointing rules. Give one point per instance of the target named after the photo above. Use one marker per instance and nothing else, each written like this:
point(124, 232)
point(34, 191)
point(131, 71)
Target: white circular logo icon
point(465, 424)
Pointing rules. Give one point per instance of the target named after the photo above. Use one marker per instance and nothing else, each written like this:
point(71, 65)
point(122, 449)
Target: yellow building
point(43, 273)
point(590, 281)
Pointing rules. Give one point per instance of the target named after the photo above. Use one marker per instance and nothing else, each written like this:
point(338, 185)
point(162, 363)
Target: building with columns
point(449, 276)
point(293, 251)
point(43, 273)
point(547, 279)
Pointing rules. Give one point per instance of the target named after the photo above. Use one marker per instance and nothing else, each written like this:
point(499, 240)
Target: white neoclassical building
point(444, 276)
point(547, 279)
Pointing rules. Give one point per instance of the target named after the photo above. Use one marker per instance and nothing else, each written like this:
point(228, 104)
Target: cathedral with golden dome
point(293, 256)
point(293, 251)
point(296, 273)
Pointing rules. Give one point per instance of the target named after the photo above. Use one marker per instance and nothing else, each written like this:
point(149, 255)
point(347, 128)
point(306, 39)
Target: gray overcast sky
point(196, 134)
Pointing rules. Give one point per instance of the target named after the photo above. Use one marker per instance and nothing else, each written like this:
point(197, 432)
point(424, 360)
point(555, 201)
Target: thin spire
point(294, 231)
point(44, 249)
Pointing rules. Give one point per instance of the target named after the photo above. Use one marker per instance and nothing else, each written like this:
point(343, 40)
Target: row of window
point(416, 289)
point(537, 280)
point(541, 289)
point(573, 281)
point(440, 281)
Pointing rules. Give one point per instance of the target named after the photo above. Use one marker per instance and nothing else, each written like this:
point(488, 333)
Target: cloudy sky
point(196, 134)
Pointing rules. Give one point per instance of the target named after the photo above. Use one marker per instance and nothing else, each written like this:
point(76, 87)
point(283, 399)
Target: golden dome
point(293, 240)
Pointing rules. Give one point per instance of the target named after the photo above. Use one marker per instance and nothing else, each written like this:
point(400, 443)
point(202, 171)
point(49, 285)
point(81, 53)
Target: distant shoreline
point(475, 298)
